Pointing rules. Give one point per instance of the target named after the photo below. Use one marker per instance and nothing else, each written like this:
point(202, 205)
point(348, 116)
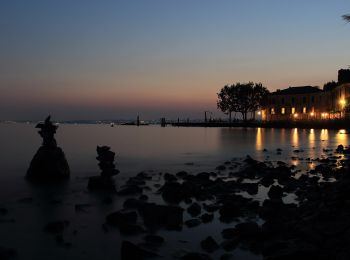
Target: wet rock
point(130, 190)
point(251, 188)
point(143, 197)
point(196, 256)
point(133, 203)
point(171, 192)
point(221, 168)
point(340, 148)
point(267, 181)
point(82, 207)
point(7, 253)
point(130, 251)
point(206, 218)
point(26, 200)
point(188, 201)
point(182, 174)
point(248, 230)
point(231, 244)
point(3, 211)
point(211, 207)
point(209, 244)
point(169, 177)
point(194, 210)
point(122, 217)
point(233, 207)
point(275, 192)
point(226, 257)
point(229, 233)
point(169, 217)
point(49, 164)
point(56, 226)
point(192, 222)
point(131, 229)
point(154, 240)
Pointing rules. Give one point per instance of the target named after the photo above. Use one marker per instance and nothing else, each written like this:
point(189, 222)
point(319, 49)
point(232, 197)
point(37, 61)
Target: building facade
point(310, 103)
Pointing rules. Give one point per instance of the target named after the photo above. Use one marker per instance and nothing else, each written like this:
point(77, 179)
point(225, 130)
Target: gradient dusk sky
point(100, 59)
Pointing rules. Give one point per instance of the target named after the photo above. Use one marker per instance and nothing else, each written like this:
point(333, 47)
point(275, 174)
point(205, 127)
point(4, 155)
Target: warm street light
point(342, 102)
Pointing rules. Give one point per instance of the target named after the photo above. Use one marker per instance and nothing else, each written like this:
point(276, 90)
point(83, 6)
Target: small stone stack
point(106, 164)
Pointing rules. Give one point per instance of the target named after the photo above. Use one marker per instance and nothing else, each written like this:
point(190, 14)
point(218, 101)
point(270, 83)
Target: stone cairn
point(107, 166)
point(49, 163)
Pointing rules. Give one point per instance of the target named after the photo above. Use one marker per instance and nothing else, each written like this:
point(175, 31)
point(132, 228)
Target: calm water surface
point(151, 148)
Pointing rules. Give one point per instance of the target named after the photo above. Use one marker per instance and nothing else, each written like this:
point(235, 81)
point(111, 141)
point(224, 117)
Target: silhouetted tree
point(330, 85)
point(258, 98)
point(346, 17)
point(242, 98)
point(226, 101)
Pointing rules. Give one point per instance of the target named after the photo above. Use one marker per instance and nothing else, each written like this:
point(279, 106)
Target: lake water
point(150, 148)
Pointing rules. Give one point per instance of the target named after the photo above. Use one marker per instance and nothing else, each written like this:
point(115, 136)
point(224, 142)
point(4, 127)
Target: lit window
point(293, 110)
point(304, 110)
point(283, 110)
point(272, 111)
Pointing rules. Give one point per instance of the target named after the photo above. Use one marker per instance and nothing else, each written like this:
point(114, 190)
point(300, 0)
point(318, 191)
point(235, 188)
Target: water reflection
point(295, 137)
point(341, 137)
point(259, 141)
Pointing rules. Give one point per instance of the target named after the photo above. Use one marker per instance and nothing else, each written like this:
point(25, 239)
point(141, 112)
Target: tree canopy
point(242, 98)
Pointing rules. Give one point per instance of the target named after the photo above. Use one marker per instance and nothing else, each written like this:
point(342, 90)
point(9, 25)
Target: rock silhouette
point(49, 163)
point(106, 164)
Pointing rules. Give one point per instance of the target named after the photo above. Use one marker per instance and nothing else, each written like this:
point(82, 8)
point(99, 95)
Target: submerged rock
point(194, 210)
point(209, 244)
point(122, 217)
point(130, 251)
point(56, 226)
point(196, 256)
point(49, 164)
point(7, 253)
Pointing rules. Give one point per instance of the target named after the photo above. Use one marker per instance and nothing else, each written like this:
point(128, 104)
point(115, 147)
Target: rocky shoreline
point(314, 225)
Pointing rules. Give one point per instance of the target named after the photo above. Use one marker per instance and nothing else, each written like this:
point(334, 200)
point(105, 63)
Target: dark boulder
point(7, 253)
point(275, 192)
point(130, 190)
point(206, 218)
point(131, 229)
point(192, 222)
point(196, 256)
point(154, 240)
point(56, 226)
point(209, 244)
point(169, 217)
point(122, 217)
point(130, 251)
point(194, 210)
point(229, 233)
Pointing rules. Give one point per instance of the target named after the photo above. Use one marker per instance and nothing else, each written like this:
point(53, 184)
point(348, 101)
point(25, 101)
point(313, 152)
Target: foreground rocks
point(316, 226)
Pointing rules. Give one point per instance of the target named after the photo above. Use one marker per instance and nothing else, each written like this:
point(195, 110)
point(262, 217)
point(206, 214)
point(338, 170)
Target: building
point(310, 103)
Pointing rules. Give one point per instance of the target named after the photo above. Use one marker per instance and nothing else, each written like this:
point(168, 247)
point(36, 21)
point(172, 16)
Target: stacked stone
point(106, 161)
point(107, 166)
point(49, 163)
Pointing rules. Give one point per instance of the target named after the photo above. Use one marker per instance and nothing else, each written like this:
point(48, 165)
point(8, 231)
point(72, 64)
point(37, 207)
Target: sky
point(89, 59)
